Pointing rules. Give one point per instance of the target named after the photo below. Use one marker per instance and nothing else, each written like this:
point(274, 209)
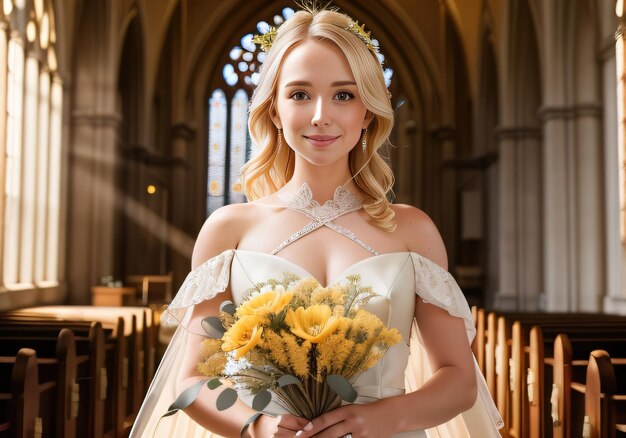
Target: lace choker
point(302, 200)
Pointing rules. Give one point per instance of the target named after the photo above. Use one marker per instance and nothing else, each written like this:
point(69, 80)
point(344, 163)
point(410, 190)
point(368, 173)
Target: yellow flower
point(212, 358)
point(327, 295)
point(244, 335)
point(263, 304)
point(314, 324)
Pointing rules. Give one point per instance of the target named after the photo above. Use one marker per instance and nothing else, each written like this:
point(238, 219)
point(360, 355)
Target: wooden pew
point(510, 358)
point(19, 395)
point(56, 373)
point(145, 330)
point(91, 373)
point(107, 389)
point(605, 395)
point(558, 358)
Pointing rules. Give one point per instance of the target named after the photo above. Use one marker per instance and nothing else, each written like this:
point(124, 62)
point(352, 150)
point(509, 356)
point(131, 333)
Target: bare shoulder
point(221, 231)
point(420, 233)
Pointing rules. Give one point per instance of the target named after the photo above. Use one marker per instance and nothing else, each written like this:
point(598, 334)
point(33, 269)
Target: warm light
point(8, 7)
point(39, 9)
point(619, 8)
point(151, 189)
point(52, 60)
point(44, 35)
point(31, 31)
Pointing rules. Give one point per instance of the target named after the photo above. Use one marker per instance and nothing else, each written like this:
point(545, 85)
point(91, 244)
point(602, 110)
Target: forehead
point(315, 61)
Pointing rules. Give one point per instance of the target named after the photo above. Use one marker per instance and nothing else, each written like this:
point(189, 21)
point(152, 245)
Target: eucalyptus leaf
point(214, 383)
point(185, 398)
point(228, 307)
point(226, 399)
point(213, 327)
point(251, 420)
point(342, 387)
point(288, 379)
point(261, 400)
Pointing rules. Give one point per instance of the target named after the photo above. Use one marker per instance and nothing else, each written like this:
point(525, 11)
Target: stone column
point(590, 208)
point(557, 213)
point(182, 213)
point(92, 208)
point(519, 219)
point(445, 200)
point(613, 135)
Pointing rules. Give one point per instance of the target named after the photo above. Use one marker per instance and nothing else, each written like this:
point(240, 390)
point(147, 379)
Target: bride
point(318, 190)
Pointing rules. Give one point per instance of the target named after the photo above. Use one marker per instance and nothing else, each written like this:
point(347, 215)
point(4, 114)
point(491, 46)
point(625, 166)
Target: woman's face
point(318, 104)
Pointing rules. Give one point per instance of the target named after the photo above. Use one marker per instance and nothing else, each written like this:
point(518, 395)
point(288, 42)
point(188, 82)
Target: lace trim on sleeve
point(436, 286)
point(201, 284)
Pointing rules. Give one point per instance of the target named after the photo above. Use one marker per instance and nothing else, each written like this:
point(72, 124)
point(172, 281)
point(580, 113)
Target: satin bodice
point(391, 276)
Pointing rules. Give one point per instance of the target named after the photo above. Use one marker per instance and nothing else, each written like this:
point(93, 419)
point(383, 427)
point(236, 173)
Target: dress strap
point(342, 203)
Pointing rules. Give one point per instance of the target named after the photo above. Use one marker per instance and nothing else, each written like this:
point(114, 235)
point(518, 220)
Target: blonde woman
point(318, 208)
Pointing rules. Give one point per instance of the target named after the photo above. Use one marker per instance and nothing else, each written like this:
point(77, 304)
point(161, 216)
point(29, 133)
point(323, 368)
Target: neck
point(322, 180)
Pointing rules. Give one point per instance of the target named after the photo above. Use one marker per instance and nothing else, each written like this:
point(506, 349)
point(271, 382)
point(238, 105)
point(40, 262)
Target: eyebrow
point(305, 83)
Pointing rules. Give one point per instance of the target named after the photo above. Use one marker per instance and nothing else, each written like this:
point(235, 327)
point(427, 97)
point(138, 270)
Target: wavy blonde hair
point(273, 166)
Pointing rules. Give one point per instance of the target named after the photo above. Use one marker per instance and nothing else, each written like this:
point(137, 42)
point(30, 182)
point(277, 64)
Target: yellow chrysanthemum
point(244, 335)
point(210, 347)
point(328, 295)
point(212, 358)
point(263, 304)
point(314, 323)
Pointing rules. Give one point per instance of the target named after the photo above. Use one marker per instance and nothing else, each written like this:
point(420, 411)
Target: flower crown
point(267, 39)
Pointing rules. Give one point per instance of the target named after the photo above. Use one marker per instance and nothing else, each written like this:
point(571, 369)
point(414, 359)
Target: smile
point(321, 141)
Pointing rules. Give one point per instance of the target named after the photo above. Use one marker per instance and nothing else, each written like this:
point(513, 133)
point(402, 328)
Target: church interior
point(123, 126)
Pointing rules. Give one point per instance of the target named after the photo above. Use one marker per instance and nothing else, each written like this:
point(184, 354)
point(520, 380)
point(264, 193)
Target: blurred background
point(123, 125)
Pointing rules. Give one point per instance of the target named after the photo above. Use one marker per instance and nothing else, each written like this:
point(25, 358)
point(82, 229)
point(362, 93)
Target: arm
point(452, 387)
point(220, 232)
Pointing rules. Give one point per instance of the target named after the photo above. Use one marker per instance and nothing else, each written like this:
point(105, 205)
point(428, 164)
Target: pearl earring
point(364, 141)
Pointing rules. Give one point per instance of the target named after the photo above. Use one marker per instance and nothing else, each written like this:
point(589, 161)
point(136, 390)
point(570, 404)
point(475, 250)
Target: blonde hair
point(273, 166)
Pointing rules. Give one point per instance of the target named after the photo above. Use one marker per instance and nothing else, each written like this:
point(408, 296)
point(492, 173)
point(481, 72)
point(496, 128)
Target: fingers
point(336, 430)
point(292, 423)
point(283, 433)
point(323, 422)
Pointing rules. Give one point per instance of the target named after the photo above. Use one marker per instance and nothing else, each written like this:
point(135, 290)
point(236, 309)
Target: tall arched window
point(32, 117)
point(229, 145)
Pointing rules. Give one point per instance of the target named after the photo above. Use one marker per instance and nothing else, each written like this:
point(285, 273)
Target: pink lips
point(321, 140)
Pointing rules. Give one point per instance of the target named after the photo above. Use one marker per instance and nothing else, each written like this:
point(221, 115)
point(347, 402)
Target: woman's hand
point(279, 427)
point(362, 421)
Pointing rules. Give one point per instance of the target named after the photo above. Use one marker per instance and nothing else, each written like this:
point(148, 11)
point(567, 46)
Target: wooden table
point(113, 296)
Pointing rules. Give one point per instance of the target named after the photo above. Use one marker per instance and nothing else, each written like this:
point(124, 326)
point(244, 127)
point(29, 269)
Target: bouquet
point(293, 338)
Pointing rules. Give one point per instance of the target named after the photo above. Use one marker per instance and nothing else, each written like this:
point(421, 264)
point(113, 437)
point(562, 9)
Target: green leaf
point(288, 379)
point(342, 387)
point(213, 327)
point(214, 383)
point(226, 399)
point(228, 307)
point(251, 420)
point(261, 400)
point(185, 398)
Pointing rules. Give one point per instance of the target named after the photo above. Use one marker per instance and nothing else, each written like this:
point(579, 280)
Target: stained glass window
point(238, 144)
point(217, 151)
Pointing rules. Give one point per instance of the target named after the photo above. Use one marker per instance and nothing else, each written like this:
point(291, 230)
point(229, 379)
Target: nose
point(321, 117)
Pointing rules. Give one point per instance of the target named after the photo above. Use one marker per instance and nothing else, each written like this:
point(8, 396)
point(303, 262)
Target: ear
point(275, 118)
point(369, 116)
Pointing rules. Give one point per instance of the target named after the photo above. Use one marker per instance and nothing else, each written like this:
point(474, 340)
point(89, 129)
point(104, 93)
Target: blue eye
point(299, 95)
point(346, 95)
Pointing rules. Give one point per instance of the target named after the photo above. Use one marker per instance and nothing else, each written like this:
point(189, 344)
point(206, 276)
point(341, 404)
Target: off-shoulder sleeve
point(436, 286)
point(201, 284)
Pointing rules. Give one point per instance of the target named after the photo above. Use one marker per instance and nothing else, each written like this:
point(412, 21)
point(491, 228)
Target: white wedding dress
point(396, 277)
